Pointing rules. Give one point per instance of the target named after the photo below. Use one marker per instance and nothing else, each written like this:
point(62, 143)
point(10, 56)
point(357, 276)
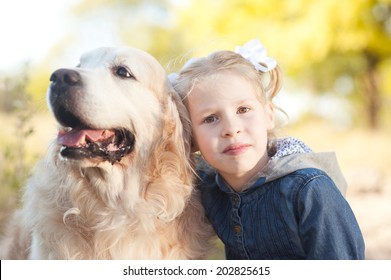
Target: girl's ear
point(269, 114)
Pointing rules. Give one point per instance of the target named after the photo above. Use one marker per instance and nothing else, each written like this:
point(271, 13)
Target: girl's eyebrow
point(206, 111)
point(236, 103)
point(246, 101)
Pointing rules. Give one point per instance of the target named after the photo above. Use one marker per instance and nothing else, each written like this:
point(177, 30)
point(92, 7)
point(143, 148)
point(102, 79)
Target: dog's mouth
point(101, 144)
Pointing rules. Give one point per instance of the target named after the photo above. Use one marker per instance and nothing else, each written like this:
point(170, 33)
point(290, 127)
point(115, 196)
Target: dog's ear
point(181, 116)
point(171, 182)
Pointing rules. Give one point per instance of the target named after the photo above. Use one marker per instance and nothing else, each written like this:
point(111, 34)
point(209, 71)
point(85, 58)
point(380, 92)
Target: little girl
point(267, 198)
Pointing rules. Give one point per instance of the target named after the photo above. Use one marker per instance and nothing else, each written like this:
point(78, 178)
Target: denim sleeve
point(327, 226)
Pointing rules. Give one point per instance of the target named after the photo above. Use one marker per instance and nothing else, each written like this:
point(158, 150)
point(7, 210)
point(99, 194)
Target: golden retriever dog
point(117, 182)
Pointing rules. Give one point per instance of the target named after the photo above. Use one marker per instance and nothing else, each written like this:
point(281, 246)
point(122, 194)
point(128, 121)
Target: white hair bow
point(255, 52)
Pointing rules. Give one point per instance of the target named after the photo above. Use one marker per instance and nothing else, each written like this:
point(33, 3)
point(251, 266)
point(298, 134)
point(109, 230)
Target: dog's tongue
point(78, 137)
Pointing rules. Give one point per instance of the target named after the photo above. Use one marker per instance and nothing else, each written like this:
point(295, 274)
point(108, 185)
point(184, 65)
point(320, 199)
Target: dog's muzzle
point(78, 139)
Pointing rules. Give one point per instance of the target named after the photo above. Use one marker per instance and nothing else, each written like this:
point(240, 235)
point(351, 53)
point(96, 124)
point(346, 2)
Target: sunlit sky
point(29, 28)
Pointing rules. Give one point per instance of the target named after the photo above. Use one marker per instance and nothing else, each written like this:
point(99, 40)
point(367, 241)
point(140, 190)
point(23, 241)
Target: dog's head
point(115, 103)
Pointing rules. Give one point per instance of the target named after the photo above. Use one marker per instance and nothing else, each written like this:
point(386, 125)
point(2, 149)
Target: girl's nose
point(231, 127)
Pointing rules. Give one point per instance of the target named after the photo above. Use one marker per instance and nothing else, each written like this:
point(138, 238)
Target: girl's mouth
point(235, 149)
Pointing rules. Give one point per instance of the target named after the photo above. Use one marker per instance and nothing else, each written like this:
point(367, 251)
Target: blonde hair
point(267, 84)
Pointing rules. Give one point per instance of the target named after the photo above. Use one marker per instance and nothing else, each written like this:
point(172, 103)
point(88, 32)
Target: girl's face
point(230, 126)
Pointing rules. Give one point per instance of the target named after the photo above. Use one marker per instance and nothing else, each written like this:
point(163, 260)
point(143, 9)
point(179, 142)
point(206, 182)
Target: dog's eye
point(124, 73)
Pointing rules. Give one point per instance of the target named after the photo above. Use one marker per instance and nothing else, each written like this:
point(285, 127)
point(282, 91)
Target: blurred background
point(336, 55)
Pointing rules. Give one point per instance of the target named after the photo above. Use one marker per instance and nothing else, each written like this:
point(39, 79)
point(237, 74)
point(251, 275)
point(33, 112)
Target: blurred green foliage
point(316, 42)
point(15, 164)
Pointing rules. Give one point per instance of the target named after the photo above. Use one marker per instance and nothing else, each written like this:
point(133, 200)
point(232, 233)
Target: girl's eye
point(122, 72)
point(242, 110)
point(210, 119)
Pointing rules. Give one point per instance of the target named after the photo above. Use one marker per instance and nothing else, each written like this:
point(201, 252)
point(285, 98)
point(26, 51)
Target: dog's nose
point(65, 77)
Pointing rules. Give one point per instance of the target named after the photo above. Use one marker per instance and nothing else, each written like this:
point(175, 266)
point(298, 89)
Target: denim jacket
point(294, 209)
